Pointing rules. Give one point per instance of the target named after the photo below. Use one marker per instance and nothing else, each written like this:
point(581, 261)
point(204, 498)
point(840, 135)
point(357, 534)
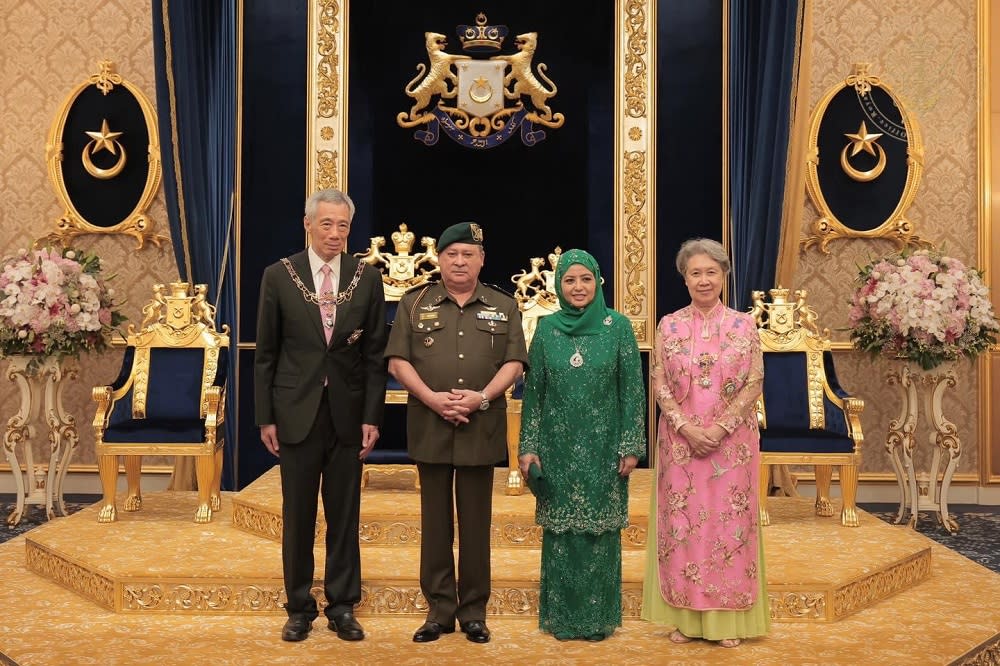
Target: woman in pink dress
point(705, 565)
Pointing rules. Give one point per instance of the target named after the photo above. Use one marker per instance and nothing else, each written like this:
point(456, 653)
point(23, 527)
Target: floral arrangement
point(55, 303)
point(922, 306)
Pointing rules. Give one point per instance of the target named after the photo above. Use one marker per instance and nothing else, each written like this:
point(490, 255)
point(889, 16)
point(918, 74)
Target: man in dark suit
point(319, 385)
point(456, 346)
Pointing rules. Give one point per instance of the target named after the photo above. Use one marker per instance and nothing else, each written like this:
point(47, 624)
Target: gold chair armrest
point(214, 407)
point(852, 410)
point(102, 396)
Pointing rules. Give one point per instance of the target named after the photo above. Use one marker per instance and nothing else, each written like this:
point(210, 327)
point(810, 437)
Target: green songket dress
point(583, 410)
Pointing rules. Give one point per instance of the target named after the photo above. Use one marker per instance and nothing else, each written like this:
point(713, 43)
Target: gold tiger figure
point(525, 82)
point(436, 80)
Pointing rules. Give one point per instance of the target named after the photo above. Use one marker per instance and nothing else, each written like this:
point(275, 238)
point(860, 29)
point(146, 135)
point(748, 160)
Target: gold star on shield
point(862, 140)
point(105, 139)
point(480, 82)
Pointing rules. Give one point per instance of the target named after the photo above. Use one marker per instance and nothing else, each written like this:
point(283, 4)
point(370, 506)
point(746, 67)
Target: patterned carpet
point(978, 537)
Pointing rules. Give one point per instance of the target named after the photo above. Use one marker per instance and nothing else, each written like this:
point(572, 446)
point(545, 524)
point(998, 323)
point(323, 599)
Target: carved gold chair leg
point(824, 474)
point(217, 482)
point(133, 475)
point(515, 483)
point(205, 473)
point(763, 487)
point(107, 467)
point(849, 487)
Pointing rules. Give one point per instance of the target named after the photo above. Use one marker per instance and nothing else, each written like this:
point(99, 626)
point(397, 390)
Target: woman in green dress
point(583, 424)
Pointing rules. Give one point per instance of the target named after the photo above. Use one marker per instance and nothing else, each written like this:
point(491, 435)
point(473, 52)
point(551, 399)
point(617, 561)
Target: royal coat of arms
point(492, 98)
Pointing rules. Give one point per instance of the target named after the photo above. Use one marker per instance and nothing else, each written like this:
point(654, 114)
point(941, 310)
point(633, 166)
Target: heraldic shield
point(472, 93)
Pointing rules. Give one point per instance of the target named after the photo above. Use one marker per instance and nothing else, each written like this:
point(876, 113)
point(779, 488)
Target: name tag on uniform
point(491, 316)
point(428, 315)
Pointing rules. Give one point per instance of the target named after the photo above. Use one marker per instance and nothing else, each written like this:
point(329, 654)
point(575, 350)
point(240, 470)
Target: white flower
point(71, 254)
point(22, 334)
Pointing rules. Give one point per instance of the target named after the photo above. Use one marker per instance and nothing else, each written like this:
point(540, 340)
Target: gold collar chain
point(330, 298)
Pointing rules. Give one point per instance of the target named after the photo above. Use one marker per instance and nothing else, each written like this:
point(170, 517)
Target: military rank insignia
point(480, 102)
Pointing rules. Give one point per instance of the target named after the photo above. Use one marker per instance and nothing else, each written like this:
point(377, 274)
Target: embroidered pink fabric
point(707, 508)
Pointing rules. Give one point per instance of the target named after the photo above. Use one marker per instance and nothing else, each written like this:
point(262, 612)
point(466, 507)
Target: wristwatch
point(485, 404)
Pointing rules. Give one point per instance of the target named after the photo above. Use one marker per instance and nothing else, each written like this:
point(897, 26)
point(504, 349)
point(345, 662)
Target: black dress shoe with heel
point(296, 629)
point(347, 627)
point(476, 631)
point(431, 631)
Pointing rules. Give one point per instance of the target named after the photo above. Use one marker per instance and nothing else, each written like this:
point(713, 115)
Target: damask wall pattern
point(48, 48)
point(927, 52)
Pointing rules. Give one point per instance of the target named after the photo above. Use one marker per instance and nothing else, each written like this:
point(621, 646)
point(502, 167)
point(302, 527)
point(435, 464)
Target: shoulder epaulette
point(500, 289)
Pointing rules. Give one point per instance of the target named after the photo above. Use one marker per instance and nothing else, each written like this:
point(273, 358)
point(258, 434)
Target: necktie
point(327, 311)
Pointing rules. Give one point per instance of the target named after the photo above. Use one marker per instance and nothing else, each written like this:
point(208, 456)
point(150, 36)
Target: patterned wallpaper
point(48, 48)
point(926, 51)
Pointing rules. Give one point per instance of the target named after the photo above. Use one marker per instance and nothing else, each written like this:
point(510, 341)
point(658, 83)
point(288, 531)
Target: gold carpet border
point(506, 531)
point(75, 577)
point(829, 603)
point(880, 585)
point(986, 654)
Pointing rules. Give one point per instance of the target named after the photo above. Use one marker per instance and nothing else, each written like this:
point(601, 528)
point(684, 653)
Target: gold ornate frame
point(72, 223)
point(635, 160)
point(896, 228)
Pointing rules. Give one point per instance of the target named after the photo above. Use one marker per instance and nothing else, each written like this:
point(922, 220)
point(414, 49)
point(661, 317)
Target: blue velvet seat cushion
point(804, 441)
point(157, 431)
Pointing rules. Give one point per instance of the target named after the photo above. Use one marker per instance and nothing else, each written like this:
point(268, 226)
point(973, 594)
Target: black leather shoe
point(296, 629)
point(431, 631)
point(347, 627)
point(476, 631)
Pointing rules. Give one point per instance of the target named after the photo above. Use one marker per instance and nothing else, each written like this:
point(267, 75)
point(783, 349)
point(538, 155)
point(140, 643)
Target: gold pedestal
point(41, 386)
point(921, 492)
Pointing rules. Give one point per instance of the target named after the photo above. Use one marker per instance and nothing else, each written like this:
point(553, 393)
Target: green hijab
point(588, 320)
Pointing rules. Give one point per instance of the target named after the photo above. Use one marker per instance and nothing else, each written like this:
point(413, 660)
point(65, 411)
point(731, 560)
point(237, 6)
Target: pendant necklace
point(576, 360)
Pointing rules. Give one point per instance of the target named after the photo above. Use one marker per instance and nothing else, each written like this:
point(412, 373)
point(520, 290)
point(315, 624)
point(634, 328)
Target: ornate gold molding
point(635, 160)
point(327, 95)
point(635, 171)
point(896, 227)
point(72, 223)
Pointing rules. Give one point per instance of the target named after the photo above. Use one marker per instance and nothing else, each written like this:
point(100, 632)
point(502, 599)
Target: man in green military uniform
point(456, 346)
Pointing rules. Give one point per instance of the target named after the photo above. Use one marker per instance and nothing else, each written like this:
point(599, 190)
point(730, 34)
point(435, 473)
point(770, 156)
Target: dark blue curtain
point(763, 61)
point(194, 47)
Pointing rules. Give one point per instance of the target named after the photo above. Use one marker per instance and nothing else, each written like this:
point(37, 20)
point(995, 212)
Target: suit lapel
point(348, 265)
point(300, 262)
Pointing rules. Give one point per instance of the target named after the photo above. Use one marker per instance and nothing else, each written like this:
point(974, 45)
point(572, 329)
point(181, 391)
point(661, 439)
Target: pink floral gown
point(708, 369)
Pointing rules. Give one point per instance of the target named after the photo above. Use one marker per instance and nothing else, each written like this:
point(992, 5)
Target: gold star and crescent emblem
point(480, 91)
point(863, 140)
point(102, 140)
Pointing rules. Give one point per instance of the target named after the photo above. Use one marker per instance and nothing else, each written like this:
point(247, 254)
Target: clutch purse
point(536, 482)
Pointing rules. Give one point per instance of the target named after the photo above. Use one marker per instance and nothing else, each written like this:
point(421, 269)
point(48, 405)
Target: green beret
point(463, 232)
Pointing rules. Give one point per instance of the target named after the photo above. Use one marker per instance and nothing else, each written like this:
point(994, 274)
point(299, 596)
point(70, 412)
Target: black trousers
point(320, 465)
point(472, 490)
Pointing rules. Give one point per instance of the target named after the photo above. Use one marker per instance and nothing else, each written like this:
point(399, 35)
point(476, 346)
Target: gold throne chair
point(401, 272)
point(805, 417)
point(168, 399)
point(535, 293)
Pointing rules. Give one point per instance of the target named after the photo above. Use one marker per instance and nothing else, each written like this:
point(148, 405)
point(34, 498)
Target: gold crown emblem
point(402, 240)
point(481, 37)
